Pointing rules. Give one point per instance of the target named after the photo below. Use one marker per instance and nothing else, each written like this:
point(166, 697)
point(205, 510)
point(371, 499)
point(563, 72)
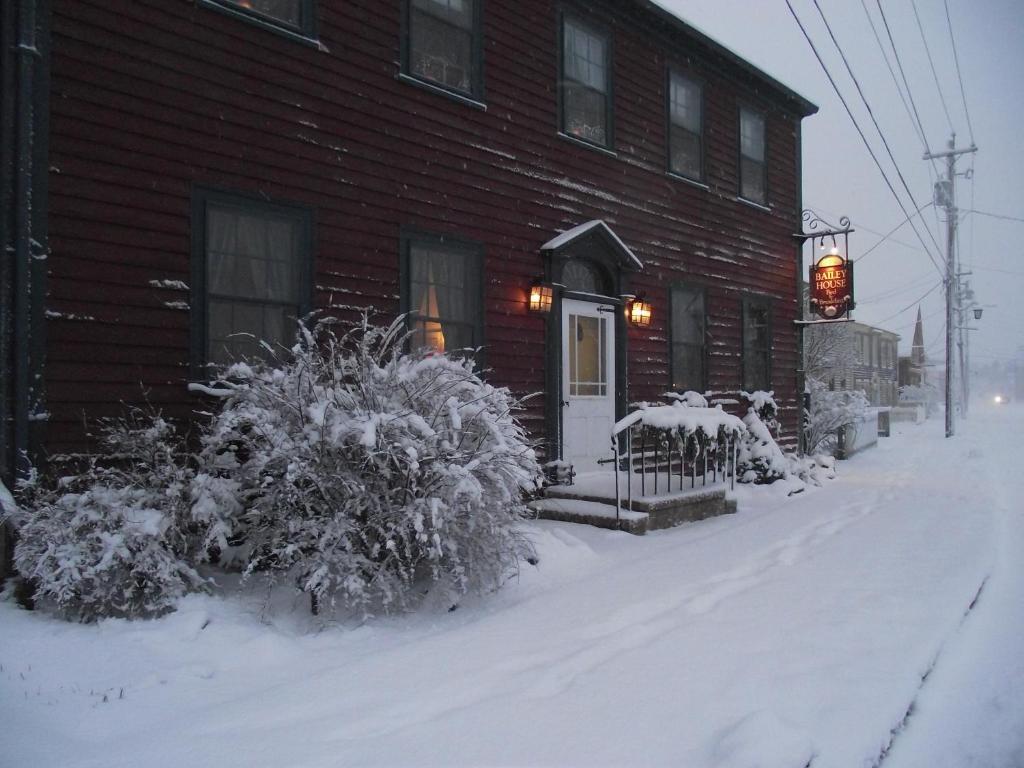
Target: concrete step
point(588, 512)
point(566, 502)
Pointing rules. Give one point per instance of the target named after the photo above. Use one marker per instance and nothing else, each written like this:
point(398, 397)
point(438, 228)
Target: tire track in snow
point(900, 727)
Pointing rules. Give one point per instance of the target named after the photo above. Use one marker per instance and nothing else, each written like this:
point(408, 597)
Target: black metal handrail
point(659, 452)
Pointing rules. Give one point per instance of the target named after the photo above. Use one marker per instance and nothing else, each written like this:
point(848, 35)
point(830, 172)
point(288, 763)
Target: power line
point(931, 63)
point(861, 225)
point(994, 215)
point(994, 269)
point(893, 231)
point(911, 304)
point(903, 73)
point(881, 134)
point(890, 293)
point(959, 76)
point(892, 72)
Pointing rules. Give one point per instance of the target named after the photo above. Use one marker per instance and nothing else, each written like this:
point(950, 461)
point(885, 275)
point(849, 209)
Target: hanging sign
point(831, 286)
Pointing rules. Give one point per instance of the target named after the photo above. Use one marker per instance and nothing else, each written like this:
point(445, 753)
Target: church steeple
point(917, 351)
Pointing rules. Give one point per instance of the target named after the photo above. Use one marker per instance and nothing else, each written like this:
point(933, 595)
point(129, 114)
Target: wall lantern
point(977, 313)
point(540, 298)
point(640, 312)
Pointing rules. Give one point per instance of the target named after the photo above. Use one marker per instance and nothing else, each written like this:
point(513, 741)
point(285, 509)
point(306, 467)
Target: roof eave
point(803, 106)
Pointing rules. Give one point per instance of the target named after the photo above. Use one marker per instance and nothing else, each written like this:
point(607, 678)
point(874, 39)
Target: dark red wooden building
point(179, 172)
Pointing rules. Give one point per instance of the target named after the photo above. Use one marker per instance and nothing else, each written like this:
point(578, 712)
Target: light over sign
point(831, 287)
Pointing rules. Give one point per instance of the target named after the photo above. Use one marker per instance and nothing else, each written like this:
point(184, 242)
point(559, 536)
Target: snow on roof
point(571, 234)
point(670, 10)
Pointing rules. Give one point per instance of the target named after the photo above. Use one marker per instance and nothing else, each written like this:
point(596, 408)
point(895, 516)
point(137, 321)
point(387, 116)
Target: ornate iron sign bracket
point(830, 282)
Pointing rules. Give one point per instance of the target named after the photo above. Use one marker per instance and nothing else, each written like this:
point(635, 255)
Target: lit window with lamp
point(443, 294)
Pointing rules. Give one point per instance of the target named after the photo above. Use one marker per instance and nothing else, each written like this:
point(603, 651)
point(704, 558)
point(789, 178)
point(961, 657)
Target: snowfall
point(878, 620)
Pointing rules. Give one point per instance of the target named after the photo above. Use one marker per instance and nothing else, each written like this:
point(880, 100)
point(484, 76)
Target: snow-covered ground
point(794, 633)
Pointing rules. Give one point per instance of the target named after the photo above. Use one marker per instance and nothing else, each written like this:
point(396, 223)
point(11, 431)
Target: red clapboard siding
point(151, 98)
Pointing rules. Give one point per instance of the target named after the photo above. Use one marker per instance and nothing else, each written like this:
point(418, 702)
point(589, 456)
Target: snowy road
point(796, 632)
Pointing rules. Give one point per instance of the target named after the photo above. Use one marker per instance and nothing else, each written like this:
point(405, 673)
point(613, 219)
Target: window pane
point(753, 185)
point(752, 135)
point(585, 113)
point(441, 51)
point(252, 279)
point(688, 367)
point(688, 335)
point(443, 298)
point(688, 315)
point(251, 256)
point(456, 12)
point(585, 57)
point(588, 346)
point(288, 11)
point(684, 103)
point(686, 153)
point(756, 346)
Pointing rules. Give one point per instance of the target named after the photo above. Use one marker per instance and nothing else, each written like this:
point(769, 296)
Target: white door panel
point(588, 383)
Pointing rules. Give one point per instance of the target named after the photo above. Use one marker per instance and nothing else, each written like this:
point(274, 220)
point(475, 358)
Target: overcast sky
point(840, 176)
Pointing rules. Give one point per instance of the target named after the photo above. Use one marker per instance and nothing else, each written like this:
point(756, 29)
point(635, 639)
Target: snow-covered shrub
point(356, 470)
point(830, 411)
point(760, 460)
point(110, 540)
point(690, 398)
point(811, 469)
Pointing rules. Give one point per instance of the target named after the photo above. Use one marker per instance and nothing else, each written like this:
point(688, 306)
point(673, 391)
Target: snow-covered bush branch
point(357, 470)
point(111, 539)
point(760, 459)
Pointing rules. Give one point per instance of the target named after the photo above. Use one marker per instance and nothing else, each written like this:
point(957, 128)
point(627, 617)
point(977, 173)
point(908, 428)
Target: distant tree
point(829, 412)
point(828, 350)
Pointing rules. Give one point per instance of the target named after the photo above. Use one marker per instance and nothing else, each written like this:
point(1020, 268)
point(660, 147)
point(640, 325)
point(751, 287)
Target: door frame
point(612, 313)
point(595, 243)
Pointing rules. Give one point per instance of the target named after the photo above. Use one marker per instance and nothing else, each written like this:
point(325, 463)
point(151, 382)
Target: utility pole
point(945, 196)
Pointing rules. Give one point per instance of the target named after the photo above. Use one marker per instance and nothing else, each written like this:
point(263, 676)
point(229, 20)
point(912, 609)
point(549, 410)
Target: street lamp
point(977, 313)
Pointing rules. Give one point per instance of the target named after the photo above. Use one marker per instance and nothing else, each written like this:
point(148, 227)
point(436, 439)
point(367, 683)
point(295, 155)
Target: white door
point(588, 383)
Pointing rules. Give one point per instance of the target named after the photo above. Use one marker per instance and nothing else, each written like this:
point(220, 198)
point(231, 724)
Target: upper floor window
point(443, 44)
point(442, 292)
point(753, 168)
point(686, 127)
point(688, 339)
point(294, 15)
point(586, 83)
point(757, 343)
point(250, 276)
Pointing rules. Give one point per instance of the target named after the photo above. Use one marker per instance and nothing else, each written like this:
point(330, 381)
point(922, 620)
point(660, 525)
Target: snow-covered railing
point(678, 442)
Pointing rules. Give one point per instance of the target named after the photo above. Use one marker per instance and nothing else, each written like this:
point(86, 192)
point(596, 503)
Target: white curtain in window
point(439, 280)
point(250, 257)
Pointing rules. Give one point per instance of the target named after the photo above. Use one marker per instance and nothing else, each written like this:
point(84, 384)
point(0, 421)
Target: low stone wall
point(909, 413)
point(858, 437)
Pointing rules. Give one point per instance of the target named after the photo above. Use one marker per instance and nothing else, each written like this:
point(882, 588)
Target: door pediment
point(594, 240)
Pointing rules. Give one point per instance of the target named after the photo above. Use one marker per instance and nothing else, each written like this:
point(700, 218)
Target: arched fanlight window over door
point(580, 276)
